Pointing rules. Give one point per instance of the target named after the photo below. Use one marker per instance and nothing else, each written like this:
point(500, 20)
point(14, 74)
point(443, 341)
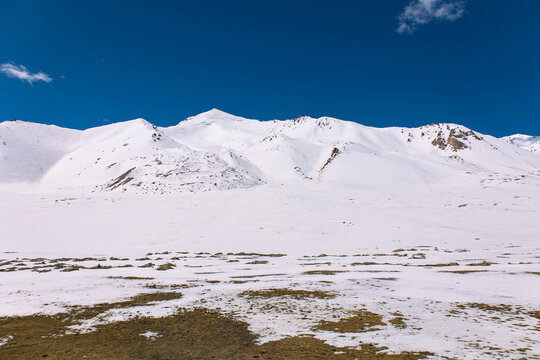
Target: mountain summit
point(214, 115)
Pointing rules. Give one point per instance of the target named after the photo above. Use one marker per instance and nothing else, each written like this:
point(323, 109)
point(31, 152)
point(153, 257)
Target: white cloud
point(21, 72)
point(420, 12)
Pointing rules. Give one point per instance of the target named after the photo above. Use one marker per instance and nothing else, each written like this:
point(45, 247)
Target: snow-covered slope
point(215, 151)
point(138, 156)
point(527, 142)
point(28, 150)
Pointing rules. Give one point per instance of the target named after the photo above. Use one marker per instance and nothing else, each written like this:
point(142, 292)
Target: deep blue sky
point(167, 60)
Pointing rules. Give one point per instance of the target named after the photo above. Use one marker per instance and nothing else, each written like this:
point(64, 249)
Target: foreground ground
point(192, 334)
point(287, 273)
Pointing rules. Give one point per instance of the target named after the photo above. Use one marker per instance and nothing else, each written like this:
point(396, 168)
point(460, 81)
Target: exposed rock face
point(335, 152)
point(456, 139)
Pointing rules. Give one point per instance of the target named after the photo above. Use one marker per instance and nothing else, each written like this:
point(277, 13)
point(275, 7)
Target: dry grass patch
point(256, 262)
point(398, 321)
point(463, 271)
point(254, 276)
point(482, 263)
point(323, 272)
point(255, 254)
point(534, 314)
point(166, 266)
point(441, 265)
point(289, 293)
point(241, 281)
point(169, 286)
point(78, 313)
point(307, 348)
point(486, 307)
point(316, 264)
point(371, 263)
point(361, 321)
point(195, 334)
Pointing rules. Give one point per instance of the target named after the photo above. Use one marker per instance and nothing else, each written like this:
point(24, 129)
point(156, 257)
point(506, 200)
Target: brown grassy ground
point(361, 321)
point(188, 334)
point(289, 293)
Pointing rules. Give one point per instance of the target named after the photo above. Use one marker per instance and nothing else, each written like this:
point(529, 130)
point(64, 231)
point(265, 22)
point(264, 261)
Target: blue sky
point(381, 63)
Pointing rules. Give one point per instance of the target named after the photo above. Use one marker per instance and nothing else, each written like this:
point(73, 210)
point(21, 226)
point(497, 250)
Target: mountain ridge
point(527, 142)
point(215, 150)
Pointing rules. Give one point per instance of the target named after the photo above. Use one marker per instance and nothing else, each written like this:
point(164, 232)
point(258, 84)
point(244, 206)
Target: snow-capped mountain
point(527, 142)
point(215, 151)
point(421, 222)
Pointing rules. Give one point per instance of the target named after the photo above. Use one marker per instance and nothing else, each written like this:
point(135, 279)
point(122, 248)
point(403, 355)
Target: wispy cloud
point(22, 73)
point(420, 12)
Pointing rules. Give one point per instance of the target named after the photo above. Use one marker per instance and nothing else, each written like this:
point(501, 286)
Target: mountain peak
point(214, 115)
point(217, 115)
point(215, 112)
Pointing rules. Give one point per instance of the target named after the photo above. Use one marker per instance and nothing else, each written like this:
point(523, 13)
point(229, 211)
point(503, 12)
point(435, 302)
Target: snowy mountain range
point(527, 142)
point(216, 151)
